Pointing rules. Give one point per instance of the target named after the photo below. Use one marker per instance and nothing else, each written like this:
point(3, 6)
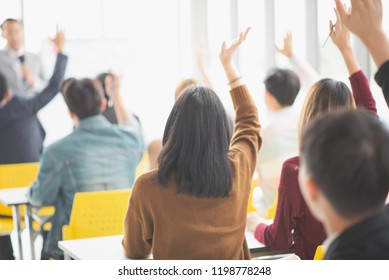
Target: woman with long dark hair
point(194, 206)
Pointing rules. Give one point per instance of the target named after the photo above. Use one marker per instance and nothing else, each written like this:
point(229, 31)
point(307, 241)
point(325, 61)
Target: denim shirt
point(96, 156)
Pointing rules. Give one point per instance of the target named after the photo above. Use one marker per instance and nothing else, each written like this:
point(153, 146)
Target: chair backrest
point(250, 206)
point(319, 254)
point(143, 165)
point(16, 176)
point(96, 214)
point(271, 211)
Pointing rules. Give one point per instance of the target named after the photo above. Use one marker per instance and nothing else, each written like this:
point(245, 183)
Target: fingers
point(338, 18)
point(247, 32)
point(277, 48)
point(223, 50)
point(288, 36)
point(331, 25)
point(343, 14)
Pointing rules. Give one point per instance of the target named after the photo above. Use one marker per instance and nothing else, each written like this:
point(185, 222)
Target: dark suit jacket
point(368, 240)
point(21, 133)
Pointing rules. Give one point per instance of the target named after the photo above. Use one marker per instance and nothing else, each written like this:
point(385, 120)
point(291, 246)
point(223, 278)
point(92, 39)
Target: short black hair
point(3, 86)
point(284, 85)
point(347, 154)
point(195, 145)
point(83, 97)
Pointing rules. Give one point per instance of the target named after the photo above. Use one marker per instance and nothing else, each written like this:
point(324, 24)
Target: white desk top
point(110, 247)
point(16, 196)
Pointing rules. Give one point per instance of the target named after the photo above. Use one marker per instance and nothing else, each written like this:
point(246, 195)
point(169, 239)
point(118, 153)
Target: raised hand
point(340, 35)
point(364, 19)
point(287, 49)
point(59, 40)
point(226, 56)
point(117, 82)
point(227, 53)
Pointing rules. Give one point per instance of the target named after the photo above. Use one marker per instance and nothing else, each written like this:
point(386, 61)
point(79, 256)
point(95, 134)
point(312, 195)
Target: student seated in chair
point(344, 179)
point(96, 156)
point(194, 205)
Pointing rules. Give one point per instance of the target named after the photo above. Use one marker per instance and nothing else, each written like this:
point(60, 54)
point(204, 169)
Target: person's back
point(194, 206)
point(294, 223)
point(368, 240)
point(279, 135)
point(97, 156)
point(344, 180)
point(22, 134)
point(188, 227)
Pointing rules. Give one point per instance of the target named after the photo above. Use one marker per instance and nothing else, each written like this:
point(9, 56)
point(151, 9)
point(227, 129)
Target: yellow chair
point(271, 211)
point(96, 214)
point(143, 165)
point(16, 176)
point(250, 206)
point(319, 254)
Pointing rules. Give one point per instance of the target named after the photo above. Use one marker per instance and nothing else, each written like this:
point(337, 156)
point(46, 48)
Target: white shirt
point(279, 143)
point(10, 67)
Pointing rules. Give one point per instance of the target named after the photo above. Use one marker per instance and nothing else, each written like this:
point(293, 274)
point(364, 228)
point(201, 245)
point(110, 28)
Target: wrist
point(371, 38)
point(346, 51)
point(227, 64)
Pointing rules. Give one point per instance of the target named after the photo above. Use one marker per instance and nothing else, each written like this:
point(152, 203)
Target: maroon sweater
point(293, 222)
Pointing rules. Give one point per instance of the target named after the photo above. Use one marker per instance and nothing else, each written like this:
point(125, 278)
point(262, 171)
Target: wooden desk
point(15, 197)
point(110, 247)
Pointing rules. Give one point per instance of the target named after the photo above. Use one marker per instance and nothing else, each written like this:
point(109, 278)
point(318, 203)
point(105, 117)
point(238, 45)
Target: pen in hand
point(329, 35)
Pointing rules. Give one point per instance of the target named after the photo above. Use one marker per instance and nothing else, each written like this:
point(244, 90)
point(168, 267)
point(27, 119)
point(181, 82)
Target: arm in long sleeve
point(246, 140)
point(306, 73)
point(362, 93)
point(134, 242)
point(382, 79)
point(278, 236)
point(40, 100)
point(45, 190)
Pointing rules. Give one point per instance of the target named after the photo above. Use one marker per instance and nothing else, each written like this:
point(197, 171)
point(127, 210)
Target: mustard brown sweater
point(179, 226)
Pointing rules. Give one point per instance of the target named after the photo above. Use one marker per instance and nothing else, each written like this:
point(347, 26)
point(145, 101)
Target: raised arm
point(121, 112)
point(364, 19)
point(306, 73)
point(226, 55)
point(40, 100)
point(246, 141)
point(202, 63)
point(340, 36)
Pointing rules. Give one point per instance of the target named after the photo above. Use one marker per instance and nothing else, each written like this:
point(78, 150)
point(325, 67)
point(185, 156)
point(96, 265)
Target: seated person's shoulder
point(148, 178)
point(293, 161)
point(292, 165)
point(146, 183)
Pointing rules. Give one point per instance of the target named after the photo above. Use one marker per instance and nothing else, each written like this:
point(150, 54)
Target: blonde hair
point(184, 84)
point(327, 95)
